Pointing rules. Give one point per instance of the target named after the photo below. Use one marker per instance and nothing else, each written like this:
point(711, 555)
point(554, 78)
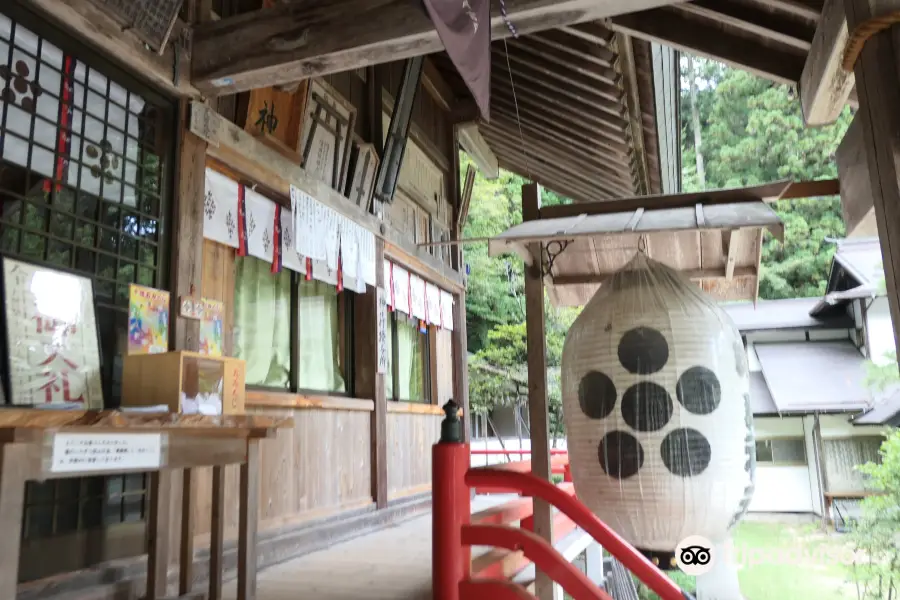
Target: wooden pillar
point(217, 533)
point(537, 381)
point(369, 382)
point(878, 89)
point(158, 529)
point(13, 465)
point(186, 553)
point(187, 247)
point(248, 520)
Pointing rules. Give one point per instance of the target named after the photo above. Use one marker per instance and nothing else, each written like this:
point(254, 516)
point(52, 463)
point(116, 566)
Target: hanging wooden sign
point(327, 131)
point(362, 179)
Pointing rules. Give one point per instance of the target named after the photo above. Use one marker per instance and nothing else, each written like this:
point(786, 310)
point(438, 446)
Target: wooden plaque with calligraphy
point(328, 124)
point(52, 348)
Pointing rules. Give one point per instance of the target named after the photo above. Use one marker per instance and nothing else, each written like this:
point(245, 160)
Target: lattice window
point(83, 164)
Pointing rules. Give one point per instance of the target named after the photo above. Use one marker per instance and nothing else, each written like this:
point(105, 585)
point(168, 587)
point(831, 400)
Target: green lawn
point(802, 563)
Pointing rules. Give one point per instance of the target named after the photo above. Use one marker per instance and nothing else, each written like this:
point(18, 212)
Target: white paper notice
point(77, 452)
point(382, 332)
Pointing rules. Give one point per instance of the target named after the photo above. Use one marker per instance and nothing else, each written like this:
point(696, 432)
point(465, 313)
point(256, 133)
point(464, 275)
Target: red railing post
point(567, 474)
point(451, 508)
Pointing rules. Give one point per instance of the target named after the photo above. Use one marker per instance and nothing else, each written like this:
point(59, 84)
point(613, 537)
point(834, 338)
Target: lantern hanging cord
point(509, 24)
point(512, 86)
point(861, 34)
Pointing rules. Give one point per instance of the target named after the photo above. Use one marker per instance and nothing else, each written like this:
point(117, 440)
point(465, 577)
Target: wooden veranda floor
point(391, 564)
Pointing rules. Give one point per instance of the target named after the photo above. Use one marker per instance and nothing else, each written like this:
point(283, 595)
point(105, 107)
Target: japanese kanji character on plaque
point(52, 348)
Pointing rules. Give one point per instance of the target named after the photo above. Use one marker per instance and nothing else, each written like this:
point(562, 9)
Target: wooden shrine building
point(299, 163)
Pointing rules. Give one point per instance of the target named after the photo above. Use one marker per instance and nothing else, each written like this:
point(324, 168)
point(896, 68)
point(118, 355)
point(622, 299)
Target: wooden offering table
point(51, 444)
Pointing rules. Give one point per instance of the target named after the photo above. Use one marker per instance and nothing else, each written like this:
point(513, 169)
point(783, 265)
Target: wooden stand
point(44, 444)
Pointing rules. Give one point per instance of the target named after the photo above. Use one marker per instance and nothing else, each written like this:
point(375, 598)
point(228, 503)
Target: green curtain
point(320, 348)
point(410, 361)
point(262, 316)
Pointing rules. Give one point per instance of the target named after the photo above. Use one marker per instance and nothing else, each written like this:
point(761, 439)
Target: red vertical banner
point(276, 241)
point(242, 221)
point(64, 138)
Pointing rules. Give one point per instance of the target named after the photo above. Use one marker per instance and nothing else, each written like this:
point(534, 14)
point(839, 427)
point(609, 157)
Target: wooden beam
point(465, 198)
point(804, 9)
point(753, 21)
point(437, 86)
point(824, 84)
point(294, 41)
point(89, 22)
point(768, 192)
point(630, 90)
point(551, 179)
point(251, 158)
point(538, 408)
point(187, 250)
point(692, 274)
point(857, 207)
point(878, 86)
point(248, 522)
point(479, 151)
point(673, 28)
point(369, 382)
point(812, 189)
point(728, 241)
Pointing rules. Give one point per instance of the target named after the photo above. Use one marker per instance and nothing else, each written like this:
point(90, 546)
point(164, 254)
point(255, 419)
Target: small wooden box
point(156, 379)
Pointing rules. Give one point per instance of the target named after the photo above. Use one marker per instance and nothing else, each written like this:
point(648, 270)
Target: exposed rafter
point(293, 41)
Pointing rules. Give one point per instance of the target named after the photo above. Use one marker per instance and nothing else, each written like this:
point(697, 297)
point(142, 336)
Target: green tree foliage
point(877, 570)
point(753, 133)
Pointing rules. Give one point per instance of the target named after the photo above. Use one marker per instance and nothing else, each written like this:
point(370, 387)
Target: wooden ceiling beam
point(595, 33)
point(692, 274)
point(766, 192)
point(674, 28)
point(633, 104)
point(512, 151)
point(601, 56)
point(522, 76)
point(525, 65)
point(618, 181)
point(605, 78)
point(752, 21)
point(294, 41)
point(804, 9)
point(542, 94)
point(825, 86)
point(617, 152)
point(612, 142)
point(553, 180)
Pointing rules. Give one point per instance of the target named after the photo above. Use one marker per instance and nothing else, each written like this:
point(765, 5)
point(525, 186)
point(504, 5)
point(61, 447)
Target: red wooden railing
point(456, 530)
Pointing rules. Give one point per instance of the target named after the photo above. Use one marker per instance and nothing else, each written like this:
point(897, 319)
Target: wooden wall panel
point(410, 438)
point(318, 468)
point(218, 284)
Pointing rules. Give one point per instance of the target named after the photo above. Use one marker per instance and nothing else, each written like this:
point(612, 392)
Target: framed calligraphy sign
point(382, 348)
point(52, 349)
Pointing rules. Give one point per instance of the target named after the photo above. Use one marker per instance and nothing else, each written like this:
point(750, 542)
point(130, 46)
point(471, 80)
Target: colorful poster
point(211, 327)
point(148, 320)
point(51, 337)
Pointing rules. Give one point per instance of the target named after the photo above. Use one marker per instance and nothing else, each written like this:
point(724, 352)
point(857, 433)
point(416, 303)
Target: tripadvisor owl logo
point(694, 555)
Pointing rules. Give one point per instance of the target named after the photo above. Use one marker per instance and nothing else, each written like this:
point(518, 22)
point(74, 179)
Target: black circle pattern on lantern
point(685, 452)
point(699, 391)
point(643, 350)
point(647, 406)
point(596, 395)
point(621, 454)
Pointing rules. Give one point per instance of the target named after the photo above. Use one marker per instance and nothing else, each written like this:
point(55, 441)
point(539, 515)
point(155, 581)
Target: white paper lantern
point(657, 408)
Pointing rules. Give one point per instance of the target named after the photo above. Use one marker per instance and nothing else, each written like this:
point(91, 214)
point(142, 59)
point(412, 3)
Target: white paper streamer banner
point(220, 209)
point(349, 249)
point(332, 234)
point(446, 310)
point(417, 296)
point(388, 283)
point(400, 285)
point(367, 257)
point(432, 304)
point(290, 258)
point(260, 222)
